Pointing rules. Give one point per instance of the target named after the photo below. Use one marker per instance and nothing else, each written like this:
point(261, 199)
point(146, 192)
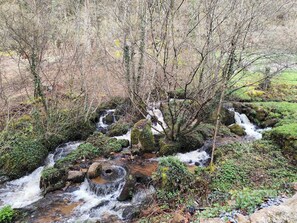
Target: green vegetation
point(246, 174)
point(176, 185)
point(6, 214)
point(52, 179)
point(283, 88)
point(118, 128)
point(142, 136)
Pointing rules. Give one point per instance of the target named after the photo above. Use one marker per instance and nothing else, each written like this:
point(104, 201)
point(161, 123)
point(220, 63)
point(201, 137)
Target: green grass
point(246, 174)
point(283, 87)
point(287, 77)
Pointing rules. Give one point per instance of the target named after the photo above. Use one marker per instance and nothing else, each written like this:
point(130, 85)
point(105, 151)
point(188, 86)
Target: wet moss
point(119, 128)
point(52, 179)
point(237, 129)
point(142, 136)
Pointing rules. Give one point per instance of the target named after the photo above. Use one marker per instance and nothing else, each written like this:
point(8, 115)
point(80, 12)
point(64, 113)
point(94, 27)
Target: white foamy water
point(92, 206)
point(25, 191)
point(126, 136)
point(101, 123)
point(153, 110)
point(251, 130)
point(196, 157)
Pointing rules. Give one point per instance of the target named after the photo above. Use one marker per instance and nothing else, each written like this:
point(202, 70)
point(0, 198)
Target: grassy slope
point(284, 88)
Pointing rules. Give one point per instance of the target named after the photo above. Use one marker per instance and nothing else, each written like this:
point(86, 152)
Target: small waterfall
point(251, 130)
point(24, 191)
point(102, 125)
point(115, 178)
point(126, 136)
point(97, 200)
point(197, 157)
point(154, 111)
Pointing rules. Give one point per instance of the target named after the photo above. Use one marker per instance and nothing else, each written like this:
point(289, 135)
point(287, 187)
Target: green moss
point(168, 147)
point(119, 128)
point(52, 179)
point(84, 151)
point(142, 136)
point(20, 155)
point(237, 129)
point(172, 175)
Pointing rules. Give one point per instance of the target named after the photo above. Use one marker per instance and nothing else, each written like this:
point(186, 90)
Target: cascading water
point(98, 199)
point(102, 124)
point(250, 129)
point(154, 111)
point(25, 191)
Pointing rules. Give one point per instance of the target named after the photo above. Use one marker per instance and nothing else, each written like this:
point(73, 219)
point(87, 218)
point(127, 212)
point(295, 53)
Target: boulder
point(286, 212)
point(124, 142)
point(76, 176)
point(168, 147)
point(119, 128)
point(108, 218)
point(94, 170)
point(237, 129)
point(131, 212)
point(142, 136)
point(128, 189)
point(269, 123)
point(109, 118)
point(227, 116)
point(261, 114)
point(52, 179)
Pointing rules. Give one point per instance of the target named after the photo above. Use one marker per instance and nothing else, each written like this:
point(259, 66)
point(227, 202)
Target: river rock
point(76, 176)
point(142, 136)
point(237, 129)
point(178, 218)
point(270, 122)
point(128, 189)
point(108, 119)
point(3, 179)
point(131, 212)
point(109, 218)
point(94, 170)
point(286, 212)
point(52, 179)
point(227, 116)
point(261, 114)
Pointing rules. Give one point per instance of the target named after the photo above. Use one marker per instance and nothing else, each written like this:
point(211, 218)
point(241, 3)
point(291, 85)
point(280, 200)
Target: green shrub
point(247, 199)
point(172, 175)
point(21, 155)
point(6, 214)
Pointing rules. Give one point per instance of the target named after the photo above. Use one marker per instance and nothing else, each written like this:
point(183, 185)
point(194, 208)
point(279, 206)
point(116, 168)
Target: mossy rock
point(191, 141)
point(119, 128)
point(261, 114)
point(168, 147)
point(52, 179)
point(84, 151)
point(20, 156)
point(97, 139)
point(124, 142)
point(237, 129)
point(142, 136)
point(105, 144)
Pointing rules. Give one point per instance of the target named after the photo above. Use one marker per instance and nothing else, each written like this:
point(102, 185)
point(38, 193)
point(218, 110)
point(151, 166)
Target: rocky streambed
point(109, 189)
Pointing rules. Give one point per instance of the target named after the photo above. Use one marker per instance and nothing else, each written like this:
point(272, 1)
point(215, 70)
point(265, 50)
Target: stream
point(92, 200)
